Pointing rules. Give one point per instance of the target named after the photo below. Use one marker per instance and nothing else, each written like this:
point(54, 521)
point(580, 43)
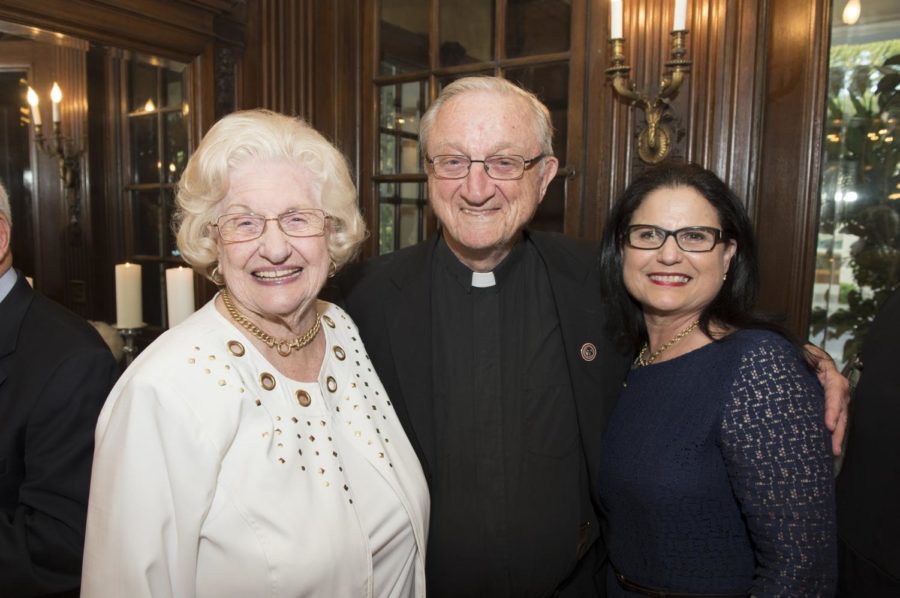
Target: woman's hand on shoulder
point(837, 395)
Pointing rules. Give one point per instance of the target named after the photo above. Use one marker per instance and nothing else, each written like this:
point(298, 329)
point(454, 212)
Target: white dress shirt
point(216, 476)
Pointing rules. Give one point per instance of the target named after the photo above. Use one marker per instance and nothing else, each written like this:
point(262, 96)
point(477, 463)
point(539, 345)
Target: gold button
point(328, 321)
point(267, 380)
point(331, 384)
point(236, 348)
point(303, 398)
point(339, 353)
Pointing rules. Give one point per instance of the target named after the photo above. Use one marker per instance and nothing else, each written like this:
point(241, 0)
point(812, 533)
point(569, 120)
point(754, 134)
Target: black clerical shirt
point(509, 501)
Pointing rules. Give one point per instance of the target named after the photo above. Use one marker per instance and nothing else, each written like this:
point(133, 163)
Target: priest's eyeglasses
point(500, 167)
point(692, 238)
point(236, 228)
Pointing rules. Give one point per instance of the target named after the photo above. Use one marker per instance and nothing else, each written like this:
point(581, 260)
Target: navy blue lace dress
point(716, 475)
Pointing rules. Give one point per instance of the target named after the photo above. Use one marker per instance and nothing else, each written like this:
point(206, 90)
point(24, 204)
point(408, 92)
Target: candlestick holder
point(654, 141)
point(64, 151)
point(129, 335)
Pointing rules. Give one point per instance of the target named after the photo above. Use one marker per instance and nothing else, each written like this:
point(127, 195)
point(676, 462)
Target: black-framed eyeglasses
point(237, 228)
point(500, 167)
point(691, 238)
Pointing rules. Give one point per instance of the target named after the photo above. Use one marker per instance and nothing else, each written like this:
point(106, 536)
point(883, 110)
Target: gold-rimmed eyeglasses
point(236, 228)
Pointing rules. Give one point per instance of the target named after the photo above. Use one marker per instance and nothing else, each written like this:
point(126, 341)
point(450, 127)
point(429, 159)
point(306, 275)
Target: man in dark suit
point(490, 342)
point(55, 373)
point(868, 489)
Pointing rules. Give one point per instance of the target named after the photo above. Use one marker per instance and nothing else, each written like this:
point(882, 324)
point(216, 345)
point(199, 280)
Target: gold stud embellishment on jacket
point(303, 398)
point(328, 321)
point(267, 380)
point(339, 353)
point(236, 348)
point(331, 384)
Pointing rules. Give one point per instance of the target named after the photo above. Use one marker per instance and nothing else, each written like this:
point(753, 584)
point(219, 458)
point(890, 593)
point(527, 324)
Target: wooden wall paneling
point(177, 30)
point(574, 220)
point(369, 114)
point(74, 205)
point(609, 123)
point(790, 156)
point(727, 78)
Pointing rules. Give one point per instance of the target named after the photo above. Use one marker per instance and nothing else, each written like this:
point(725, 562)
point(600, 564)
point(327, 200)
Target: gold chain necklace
point(640, 358)
point(283, 346)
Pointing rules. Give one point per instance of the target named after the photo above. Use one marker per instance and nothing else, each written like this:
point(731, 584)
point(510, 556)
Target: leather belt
point(645, 591)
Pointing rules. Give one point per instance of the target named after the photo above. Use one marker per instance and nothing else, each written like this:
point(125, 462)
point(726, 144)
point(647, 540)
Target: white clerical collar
point(483, 280)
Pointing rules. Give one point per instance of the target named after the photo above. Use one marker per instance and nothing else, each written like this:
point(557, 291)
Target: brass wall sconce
point(59, 147)
point(655, 140)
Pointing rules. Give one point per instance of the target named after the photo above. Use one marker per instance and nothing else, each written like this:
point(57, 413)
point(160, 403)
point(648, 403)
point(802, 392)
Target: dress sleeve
point(776, 450)
point(153, 481)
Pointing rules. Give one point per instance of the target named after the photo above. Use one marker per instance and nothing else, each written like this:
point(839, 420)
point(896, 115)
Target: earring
point(216, 276)
point(332, 270)
point(725, 276)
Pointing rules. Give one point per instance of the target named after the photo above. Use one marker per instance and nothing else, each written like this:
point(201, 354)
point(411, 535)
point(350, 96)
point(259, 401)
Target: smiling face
point(276, 277)
point(670, 283)
point(483, 218)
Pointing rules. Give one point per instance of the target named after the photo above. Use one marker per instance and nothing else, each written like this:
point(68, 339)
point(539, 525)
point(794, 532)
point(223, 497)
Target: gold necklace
point(283, 346)
point(640, 361)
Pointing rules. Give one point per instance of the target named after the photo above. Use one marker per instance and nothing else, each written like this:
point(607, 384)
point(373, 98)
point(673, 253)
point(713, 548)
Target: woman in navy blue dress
point(716, 474)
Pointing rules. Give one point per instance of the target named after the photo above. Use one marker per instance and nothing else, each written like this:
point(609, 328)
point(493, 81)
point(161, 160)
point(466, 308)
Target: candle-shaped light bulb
point(56, 97)
point(680, 23)
point(615, 19)
point(149, 106)
point(851, 12)
point(33, 101)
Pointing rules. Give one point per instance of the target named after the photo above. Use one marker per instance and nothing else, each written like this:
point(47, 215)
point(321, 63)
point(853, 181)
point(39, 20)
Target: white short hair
point(5, 211)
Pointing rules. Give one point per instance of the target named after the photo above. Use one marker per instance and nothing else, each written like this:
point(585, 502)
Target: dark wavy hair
point(733, 306)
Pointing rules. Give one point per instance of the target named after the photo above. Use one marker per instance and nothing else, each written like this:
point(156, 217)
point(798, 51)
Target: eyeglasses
point(501, 168)
point(692, 238)
point(236, 228)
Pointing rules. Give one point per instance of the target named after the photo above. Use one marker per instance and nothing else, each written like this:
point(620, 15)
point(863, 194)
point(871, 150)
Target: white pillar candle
point(680, 15)
point(179, 294)
point(56, 98)
point(129, 309)
point(615, 19)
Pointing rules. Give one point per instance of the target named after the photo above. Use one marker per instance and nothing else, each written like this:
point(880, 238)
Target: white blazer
point(216, 476)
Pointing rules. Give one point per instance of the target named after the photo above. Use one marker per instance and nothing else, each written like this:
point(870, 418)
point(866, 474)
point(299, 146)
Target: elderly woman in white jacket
point(252, 450)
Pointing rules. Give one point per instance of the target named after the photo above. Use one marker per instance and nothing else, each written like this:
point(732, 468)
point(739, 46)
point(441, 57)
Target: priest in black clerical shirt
point(490, 342)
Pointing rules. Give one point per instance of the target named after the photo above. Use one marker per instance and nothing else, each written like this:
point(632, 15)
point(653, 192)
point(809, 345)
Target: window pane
point(551, 213)
point(173, 86)
point(403, 210)
point(141, 85)
point(466, 31)
point(551, 84)
point(858, 249)
point(175, 145)
point(151, 292)
point(145, 164)
point(171, 247)
point(147, 220)
point(537, 27)
point(400, 107)
point(403, 36)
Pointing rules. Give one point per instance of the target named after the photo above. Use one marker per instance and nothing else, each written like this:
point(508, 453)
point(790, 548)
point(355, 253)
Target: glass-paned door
point(423, 45)
point(858, 248)
point(156, 126)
